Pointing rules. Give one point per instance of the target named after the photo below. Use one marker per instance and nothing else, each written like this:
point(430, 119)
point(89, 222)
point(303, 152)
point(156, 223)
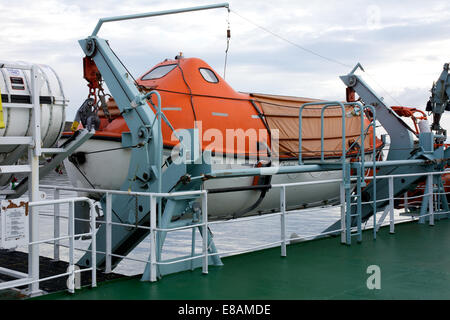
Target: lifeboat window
point(208, 75)
point(159, 72)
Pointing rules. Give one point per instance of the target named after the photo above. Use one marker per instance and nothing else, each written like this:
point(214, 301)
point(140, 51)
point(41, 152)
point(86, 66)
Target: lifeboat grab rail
point(360, 183)
point(326, 105)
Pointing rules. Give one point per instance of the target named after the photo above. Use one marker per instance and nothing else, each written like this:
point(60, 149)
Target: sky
point(401, 44)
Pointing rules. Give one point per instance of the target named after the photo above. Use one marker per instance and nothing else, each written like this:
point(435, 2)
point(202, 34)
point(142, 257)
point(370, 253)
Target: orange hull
point(193, 95)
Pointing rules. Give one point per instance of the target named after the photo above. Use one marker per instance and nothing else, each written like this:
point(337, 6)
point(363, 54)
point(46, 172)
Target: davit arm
point(401, 135)
point(145, 167)
point(402, 147)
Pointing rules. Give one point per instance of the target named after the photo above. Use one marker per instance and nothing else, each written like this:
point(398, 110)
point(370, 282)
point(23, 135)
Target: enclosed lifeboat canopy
point(194, 95)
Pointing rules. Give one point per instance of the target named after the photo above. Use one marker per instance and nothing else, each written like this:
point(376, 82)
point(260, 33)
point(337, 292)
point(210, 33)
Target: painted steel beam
point(402, 142)
point(156, 13)
point(22, 187)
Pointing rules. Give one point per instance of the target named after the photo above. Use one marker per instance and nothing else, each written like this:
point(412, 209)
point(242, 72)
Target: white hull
point(108, 170)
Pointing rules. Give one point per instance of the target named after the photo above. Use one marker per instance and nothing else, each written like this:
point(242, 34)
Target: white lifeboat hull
point(109, 169)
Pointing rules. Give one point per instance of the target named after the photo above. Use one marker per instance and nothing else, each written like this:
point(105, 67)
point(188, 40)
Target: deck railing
point(429, 195)
point(283, 241)
point(33, 277)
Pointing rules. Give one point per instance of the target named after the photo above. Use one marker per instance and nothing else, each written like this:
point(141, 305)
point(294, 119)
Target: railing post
point(430, 199)
point(193, 247)
point(205, 232)
point(348, 218)
point(405, 202)
point(108, 232)
point(283, 220)
point(391, 205)
point(438, 197)
point(33, 187)
point(71, 225)
point(374, 202)
point(343, 207)
point(300, 135)
point(93, 246)
point(360, 178)
point(56, 226)
point(152, 239)
point(374, 171)
point(348, 204)
point(322, 113)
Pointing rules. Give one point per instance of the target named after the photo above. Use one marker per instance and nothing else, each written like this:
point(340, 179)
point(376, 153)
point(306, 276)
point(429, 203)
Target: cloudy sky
point(402, 45)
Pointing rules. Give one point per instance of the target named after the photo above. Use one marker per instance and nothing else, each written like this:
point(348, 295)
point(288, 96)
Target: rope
point(293, 43)
point(93, 187)
point(228, 44)
point(332, 60)
point(190, 93)
point(382, 88)
point(123, 65)
point(82, 173)
point(112, 149)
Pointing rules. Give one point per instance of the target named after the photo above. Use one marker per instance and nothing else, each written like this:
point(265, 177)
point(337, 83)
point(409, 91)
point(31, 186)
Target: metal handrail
point(154, 262)
point(30, 280)
point(324, 105)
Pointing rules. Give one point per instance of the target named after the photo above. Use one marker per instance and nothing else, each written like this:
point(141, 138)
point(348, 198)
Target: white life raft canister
point(16, 97)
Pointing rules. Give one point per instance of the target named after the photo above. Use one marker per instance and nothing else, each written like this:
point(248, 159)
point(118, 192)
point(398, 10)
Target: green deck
point(414, 263)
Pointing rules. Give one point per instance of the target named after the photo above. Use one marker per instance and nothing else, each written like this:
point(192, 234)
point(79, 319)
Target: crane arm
point(402, 142)
point(439, 101)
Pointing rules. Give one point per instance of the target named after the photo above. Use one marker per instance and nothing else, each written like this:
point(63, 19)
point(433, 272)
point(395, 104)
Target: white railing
point(405, 198)
point(33, 248)
point(154, 229)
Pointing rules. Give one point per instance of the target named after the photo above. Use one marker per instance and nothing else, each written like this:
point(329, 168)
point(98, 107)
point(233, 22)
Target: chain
point(92, 94)
point(103, 104)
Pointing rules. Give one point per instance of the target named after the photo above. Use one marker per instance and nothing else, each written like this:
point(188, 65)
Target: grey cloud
point(257, 61)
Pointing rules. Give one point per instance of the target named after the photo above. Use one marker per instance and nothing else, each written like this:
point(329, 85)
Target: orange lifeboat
point(253, 129)
point(194, 95)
